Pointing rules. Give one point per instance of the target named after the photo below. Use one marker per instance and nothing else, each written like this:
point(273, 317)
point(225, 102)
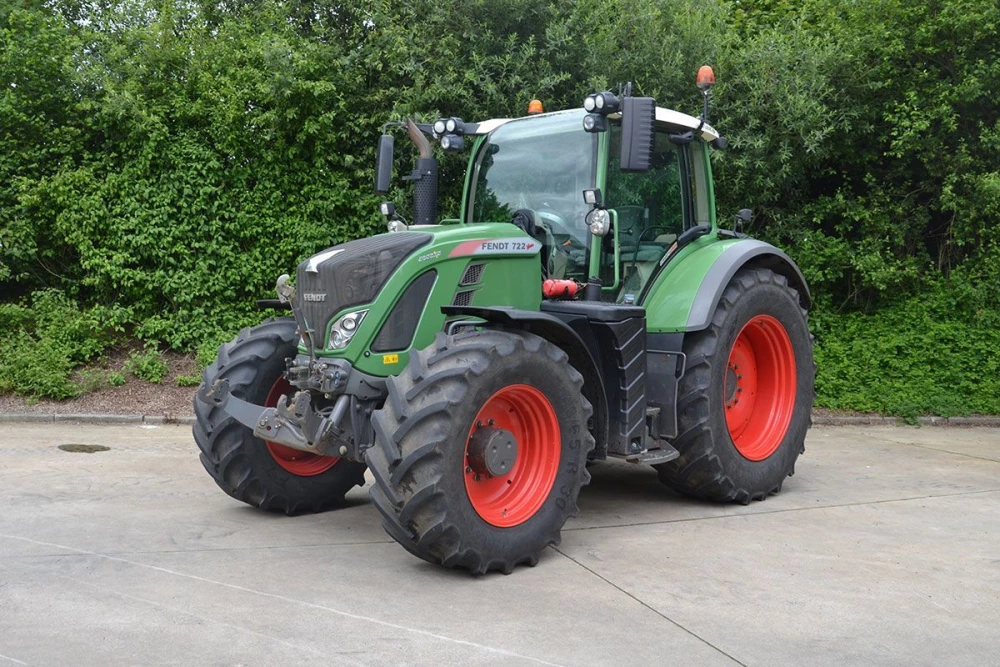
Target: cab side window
point(651, 210)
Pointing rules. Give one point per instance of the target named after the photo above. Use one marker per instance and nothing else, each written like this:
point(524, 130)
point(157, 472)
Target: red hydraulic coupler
point(560, 289)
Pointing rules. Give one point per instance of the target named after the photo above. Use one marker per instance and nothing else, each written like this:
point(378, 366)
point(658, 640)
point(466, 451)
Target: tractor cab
point(536, 170)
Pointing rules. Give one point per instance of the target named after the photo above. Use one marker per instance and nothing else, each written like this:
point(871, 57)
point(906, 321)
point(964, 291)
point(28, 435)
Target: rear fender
point(685, 297)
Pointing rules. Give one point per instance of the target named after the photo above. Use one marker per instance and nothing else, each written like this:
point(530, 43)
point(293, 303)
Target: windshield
point(542, 164)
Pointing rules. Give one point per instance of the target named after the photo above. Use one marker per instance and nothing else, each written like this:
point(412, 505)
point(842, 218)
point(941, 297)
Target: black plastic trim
point(264, 304)
point(665, 365)
point(600, 311)
point(397, 332)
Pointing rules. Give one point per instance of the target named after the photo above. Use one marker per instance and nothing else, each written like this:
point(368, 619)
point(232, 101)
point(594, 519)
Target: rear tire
point(433, 499)
point(741, 428)
point(247, 468)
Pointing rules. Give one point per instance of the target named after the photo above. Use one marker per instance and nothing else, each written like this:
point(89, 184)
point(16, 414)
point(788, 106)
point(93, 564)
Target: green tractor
point(585, 305)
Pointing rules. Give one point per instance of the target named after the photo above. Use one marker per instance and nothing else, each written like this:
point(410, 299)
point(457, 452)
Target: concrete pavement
point(884, 548)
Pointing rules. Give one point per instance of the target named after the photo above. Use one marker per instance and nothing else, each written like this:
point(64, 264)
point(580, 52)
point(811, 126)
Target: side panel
point(510, 276)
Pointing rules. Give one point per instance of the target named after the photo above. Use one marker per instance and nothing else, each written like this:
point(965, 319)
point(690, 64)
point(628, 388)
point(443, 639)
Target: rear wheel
point(745, 399)
point(481, 450)
point(259, 473)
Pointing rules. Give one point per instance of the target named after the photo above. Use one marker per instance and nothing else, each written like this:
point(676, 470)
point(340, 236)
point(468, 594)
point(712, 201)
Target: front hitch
point(294, 425)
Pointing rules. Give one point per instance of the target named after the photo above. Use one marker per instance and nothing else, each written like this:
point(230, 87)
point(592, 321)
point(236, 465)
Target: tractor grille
point(350, 274)
point(473, 274)
point(463, 298)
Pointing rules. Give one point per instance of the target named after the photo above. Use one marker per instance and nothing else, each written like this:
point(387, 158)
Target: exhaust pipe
point(424, 177)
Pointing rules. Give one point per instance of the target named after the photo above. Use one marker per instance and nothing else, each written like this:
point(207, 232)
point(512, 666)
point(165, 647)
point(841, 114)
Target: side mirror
point(383, 163)
point(638, 119)
point(743, 217)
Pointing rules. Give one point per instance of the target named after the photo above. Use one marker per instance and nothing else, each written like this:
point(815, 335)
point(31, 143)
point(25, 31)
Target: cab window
point(652, 211)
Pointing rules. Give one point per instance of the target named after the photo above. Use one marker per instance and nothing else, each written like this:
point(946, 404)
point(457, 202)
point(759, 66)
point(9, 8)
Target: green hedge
point(162, 161)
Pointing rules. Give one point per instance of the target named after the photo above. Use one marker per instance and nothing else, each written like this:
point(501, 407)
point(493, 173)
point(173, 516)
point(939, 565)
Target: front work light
point(599, 221)
point(443, 126)
point(606, 103)
point(603, 103)
point(594, 122)
point(452, 142)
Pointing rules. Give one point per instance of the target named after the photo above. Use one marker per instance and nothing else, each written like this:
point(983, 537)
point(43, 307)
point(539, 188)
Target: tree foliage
point(170, 158)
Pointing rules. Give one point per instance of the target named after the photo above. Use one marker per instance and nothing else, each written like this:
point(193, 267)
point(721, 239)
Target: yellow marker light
point(535, 106)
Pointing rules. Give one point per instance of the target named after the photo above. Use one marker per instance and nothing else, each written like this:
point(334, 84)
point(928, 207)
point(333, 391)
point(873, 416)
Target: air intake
point(473, 274)
point(463, 298)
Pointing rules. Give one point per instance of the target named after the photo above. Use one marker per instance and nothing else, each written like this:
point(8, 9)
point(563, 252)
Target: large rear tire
point(444, 487)
point(256, 472)
point(745, 399)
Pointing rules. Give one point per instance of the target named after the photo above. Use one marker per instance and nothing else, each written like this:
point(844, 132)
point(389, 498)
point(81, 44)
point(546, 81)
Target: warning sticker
point(390, 359)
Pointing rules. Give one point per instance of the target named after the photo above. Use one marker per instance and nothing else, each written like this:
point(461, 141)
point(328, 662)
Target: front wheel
point(745, 400)
point(481, 450)
point(260, 473)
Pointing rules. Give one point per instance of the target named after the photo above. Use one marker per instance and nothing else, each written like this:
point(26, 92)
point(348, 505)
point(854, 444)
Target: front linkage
point(339, 428)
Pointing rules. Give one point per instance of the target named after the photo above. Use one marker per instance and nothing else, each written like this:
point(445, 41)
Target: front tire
point(746, 397)
point(259, 473)
point(459, 402)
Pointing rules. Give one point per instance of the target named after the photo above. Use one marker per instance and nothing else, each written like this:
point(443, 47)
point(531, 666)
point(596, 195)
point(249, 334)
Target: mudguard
point(743, 253)
point(685, 295)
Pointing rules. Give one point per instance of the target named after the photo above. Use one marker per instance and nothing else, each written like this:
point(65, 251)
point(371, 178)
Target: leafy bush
point(188, 380)
point(44, 338)
point(148, 365)
point(34, 369)
point(935, 353)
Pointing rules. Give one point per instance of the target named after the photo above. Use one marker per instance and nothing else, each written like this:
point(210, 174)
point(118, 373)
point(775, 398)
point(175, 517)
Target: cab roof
point(667, 118)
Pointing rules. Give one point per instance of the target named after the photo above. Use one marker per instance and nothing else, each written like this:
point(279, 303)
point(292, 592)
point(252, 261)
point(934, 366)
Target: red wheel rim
point(759, 387)
point(509, 500)
point(303, 464)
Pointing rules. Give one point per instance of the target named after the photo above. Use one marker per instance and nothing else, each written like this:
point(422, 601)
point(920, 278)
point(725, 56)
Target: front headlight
point(343, 329)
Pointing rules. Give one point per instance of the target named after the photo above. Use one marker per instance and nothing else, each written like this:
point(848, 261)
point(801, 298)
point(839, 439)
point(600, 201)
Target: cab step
point(653, 457)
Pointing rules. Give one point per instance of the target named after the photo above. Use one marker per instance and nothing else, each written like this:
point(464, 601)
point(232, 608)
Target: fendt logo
point(314, 296)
